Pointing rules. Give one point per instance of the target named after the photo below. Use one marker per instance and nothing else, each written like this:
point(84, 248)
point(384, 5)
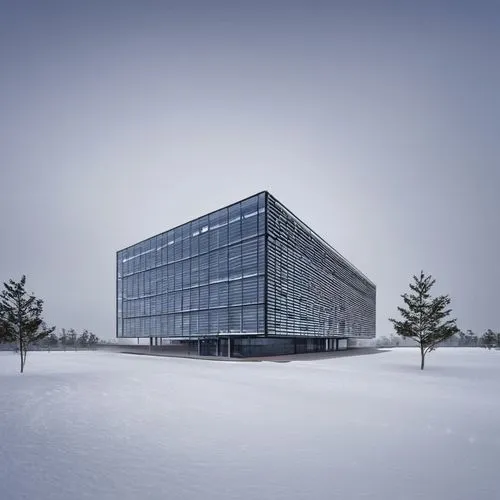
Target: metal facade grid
point(312, 289)
point(251, 268)
point(203, 278)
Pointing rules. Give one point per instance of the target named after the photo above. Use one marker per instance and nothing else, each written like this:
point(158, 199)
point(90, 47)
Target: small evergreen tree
point(72, 338)
point(471, 339)
point(489, 339)
point(63, 338)
point(83, 339)
point(424, 317)
point(461, 341)
point(21, 317)
point(93, 340)
point(53, 340)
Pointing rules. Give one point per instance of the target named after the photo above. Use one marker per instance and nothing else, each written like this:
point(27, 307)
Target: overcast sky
point(375, 122)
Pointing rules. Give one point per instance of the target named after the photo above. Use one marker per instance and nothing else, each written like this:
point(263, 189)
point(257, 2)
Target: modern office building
point(249, 279)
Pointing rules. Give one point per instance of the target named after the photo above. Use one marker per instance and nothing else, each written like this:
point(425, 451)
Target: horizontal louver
point(312, 290)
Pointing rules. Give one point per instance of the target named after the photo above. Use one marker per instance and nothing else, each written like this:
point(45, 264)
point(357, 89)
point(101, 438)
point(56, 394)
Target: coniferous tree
point(72, 338)
point(424, 317)
point(4, 337)
point(461, 341)
point(21, 317)
point(93, 340)
point(52, 340)
point(83, 339)
point(63, 338)
point(471, 339)
point(489, 339)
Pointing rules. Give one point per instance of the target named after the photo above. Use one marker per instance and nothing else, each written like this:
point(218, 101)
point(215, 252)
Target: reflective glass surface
point(205, 277)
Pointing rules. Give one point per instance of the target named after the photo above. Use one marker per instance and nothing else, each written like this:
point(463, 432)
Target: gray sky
point(377, 123)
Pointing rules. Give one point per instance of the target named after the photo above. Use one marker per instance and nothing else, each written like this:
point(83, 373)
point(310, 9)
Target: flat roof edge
point(192, 220)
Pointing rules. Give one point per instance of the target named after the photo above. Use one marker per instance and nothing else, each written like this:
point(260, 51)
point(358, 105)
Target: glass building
point(249, 279)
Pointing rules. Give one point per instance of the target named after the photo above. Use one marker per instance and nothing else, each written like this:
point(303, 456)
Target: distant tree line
point(489, 340)
point(69, 339)
point(66, 340)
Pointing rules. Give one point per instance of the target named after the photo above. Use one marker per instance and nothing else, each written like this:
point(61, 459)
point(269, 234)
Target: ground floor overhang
point(255, 345)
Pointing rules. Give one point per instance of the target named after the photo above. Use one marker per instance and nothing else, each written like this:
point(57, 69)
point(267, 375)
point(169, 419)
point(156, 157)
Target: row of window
point(246, 319)
point(232, 293)
point(242, 260)
point(224, 227)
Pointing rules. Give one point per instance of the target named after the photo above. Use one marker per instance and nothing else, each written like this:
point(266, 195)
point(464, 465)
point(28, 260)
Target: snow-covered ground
point(115, 426)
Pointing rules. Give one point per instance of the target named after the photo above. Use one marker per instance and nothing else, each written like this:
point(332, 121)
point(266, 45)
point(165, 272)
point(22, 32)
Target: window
point(194, 298)
point(249, 319)
point(234, 319)
point(204, 269)
point(235, 292)
point(203, 297)
point(249, 256)
point(250, 290)
point(234, 224)
point(234, 262)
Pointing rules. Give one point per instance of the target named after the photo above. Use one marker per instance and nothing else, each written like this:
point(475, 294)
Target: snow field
point(96, 425)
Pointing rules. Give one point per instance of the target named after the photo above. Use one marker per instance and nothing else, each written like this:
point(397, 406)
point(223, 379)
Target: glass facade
point(249, 270)
point(205, 277)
